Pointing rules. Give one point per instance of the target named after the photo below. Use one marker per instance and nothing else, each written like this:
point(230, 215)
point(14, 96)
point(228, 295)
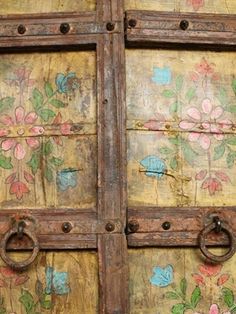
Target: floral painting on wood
point(183, 120)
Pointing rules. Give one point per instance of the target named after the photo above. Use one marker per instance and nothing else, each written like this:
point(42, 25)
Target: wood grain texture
point(58, 282)
point(200, 6)
point(154, 273)
point(153, 27)
point(30, 6)
point(162, 94)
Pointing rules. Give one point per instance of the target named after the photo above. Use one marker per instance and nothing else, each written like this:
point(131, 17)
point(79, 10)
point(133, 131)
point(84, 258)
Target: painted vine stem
point(204, 120)
point(46, 108)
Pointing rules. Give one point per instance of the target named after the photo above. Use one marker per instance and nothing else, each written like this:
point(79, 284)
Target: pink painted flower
point(11, 277)
point(156, 124)
point(196, 4)
point(19, 189)
point(19, 119)
point(21, 78)
point(65, 128)
point(210, 270)
point(204, 69)
point(206, 119)
point(214, 309)
point(212, 184)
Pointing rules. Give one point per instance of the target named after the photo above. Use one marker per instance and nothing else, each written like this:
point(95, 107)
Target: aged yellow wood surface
point(57, 282)
point(181, 128)
point(164, 281)
point(201, 6)
point(45, 6)
point(48, 130)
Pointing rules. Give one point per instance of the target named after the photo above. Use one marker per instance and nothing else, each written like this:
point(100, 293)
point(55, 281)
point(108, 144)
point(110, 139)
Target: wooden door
point(117, 150)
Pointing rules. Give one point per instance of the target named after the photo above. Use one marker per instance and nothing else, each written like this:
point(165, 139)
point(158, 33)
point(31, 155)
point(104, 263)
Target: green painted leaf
point(189, 154)
point(165, 150)
point(6, 103)
point(57, 103)
point(230, 159)
point(178, 309)
point(174, 140)
point(48, 174)
point(228, 297)
point(234, 85)
point(48, 89)
point(231, 141)
point(5, 162)
point(46, 304)
point(171, 295)
point(219, 151)
point(179, 82)
point(173, 107)
point(231, 108)
point(168, 93)
point(56, 161)
point(191, 93)
point(34, 162)
point(46, 114)
point(27, 300)
point(47, 148)
point(183, 286)
point(222, 96)
point(37, 99)
point(174, 163)
point(195, 297)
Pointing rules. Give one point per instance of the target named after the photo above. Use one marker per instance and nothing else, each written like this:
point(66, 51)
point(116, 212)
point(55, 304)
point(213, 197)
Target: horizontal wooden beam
point(176, 226)
point(59, 228)
point(54, 29)
point(175, 28)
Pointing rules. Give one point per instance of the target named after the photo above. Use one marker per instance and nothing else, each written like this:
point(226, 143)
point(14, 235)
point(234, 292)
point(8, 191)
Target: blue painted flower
point(67, 83)
point(154, 166)
point(56, 282)
point(67, 178)
point(162, 276)
point(161, 76)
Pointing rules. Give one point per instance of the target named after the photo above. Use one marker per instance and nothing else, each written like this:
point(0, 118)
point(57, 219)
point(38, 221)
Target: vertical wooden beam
point(112, 248)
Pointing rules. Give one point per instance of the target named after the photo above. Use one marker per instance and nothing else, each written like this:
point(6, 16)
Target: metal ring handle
point(22, 264)
point(202, 242)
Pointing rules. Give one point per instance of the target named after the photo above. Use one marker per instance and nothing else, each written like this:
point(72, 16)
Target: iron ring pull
point(218, 226)
point(19, 230)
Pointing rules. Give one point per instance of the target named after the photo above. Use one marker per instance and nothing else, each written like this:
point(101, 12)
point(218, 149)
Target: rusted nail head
point(166, 225)
point(133, 226)
point(66, 227)
point(64, 28)
point(184, 24)
point(110, 26)
point(132, 23)
point(21, 29)
point(110, 227)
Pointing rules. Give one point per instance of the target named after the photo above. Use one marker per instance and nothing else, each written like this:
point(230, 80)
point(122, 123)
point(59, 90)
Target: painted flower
point(207, 119)
point(154, 166)
point(28, 119)
point(67, 83)
point(19, 189)
point(10, 276)
point(156, 124)
point(65, 128)
point(214, 309)
point(21, 78)
point(205, 69)
point(196, 4)
point(213, 185)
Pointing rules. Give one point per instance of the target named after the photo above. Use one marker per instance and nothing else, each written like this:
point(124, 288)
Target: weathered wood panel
point(201, 6)
point(181, 128)
point(44, 6)
point(164, 281)
point(58, 282)
point(48, 130)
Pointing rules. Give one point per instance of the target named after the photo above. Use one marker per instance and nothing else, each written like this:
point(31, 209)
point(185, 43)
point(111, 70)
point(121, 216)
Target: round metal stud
point(110, 26)
point(132, 23)
point(166, 225)
point(110, 227)
point(184, 24)
point(21, 29)
point(66, 227)
point(64, 28)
